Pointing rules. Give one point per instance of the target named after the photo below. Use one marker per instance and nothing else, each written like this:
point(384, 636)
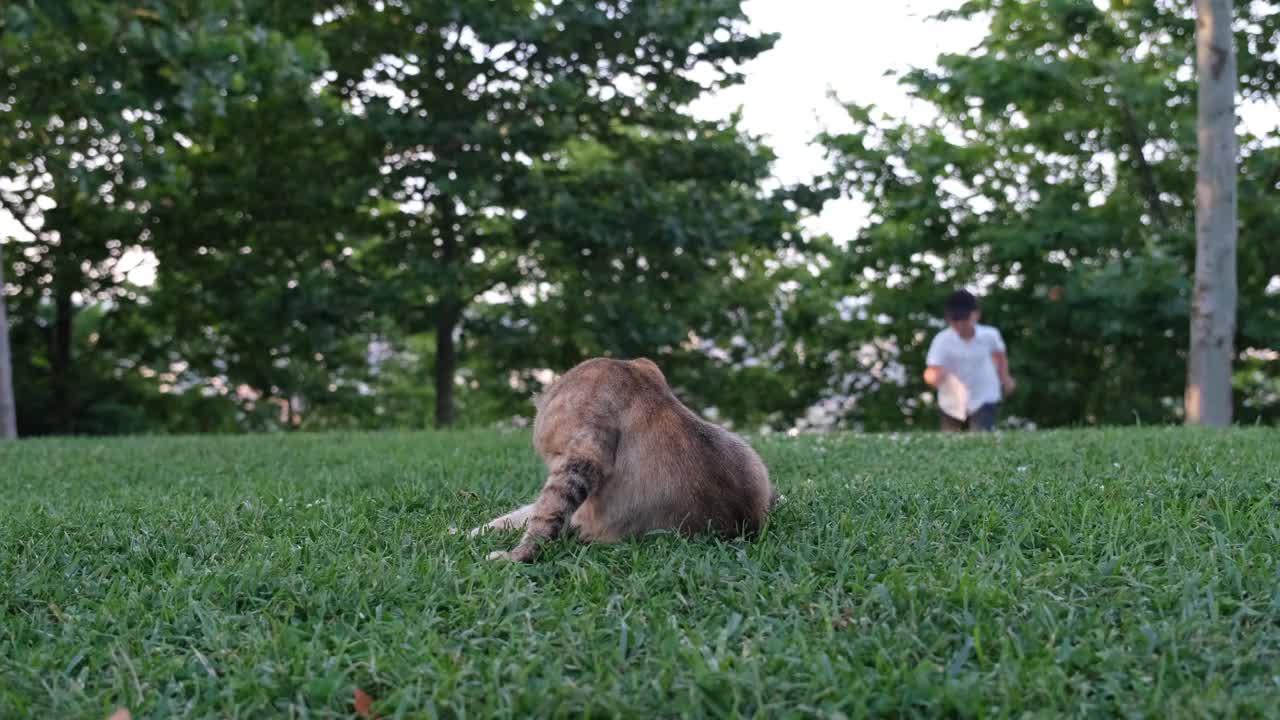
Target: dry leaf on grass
point(364, 704)
point(842, 622)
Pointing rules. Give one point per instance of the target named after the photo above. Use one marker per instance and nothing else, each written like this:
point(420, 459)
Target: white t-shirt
point(972, 380)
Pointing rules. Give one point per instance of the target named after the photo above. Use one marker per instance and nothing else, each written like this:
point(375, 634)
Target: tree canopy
point(1058, 178)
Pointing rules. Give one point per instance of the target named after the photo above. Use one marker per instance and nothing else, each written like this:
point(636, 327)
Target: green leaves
point(1059, 179)
point(138, 130)
point(379, 174)
point(502, 188)
point(546, 152)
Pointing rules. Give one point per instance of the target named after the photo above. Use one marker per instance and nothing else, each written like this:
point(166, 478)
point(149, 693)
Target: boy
point(968, 364)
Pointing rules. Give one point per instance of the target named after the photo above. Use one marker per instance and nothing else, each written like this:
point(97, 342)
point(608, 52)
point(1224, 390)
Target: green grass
point(1105, 573)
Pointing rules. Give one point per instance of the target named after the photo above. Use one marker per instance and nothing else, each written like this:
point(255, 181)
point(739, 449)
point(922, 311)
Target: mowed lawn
point(1093, 573)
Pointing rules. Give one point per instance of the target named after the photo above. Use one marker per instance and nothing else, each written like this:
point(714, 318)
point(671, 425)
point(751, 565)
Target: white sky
point(845, 46)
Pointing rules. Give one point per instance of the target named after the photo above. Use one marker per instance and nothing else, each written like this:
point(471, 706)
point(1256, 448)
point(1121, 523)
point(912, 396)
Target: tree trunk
point(8, 404)
point(62, 361)
point(448, 313)
point(1213, 315)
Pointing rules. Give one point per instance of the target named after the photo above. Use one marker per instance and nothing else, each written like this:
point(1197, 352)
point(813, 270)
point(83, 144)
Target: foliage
point(369, 214)
point(1038, 573)
point(650, 247)
point(107, 104)
point(1058, 177)
point(315, 181)
point(544, 150)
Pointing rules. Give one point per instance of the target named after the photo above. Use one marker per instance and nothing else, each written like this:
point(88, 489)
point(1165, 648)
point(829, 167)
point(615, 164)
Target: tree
point(484, 108)
point(1213, 309)
point(107, 104)
point(257, 228)
point(1057, 179)
point(643, 241)
point(304, 173)
point(8, 406)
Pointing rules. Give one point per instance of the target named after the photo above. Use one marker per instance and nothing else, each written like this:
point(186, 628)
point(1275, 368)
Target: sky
point(839, 46)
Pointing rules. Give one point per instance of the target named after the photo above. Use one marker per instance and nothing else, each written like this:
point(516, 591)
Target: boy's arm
point(934, 372)
point(1001, 359)
point(1000, 356)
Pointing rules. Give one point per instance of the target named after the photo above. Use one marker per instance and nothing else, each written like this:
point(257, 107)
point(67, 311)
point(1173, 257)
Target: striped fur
point(564, 492)
point(625, 457)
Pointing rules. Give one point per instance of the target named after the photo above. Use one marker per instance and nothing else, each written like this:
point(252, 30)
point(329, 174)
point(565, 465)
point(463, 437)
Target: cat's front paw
point(518, 554)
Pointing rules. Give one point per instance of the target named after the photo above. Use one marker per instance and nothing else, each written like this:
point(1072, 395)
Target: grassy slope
point(1087, 573)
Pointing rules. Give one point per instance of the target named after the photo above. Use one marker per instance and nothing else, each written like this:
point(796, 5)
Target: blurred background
point(259, 215)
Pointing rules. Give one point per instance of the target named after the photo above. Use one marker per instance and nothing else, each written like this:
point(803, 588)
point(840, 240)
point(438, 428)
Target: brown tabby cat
point(625, 456)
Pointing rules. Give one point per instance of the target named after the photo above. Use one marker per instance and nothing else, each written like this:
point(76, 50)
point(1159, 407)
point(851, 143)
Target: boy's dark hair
point(960, 305)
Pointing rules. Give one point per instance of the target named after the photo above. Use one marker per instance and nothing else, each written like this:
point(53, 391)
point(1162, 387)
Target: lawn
point(1093, 573)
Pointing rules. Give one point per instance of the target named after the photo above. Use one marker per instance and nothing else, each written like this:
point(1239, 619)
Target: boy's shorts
point(983, 419)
